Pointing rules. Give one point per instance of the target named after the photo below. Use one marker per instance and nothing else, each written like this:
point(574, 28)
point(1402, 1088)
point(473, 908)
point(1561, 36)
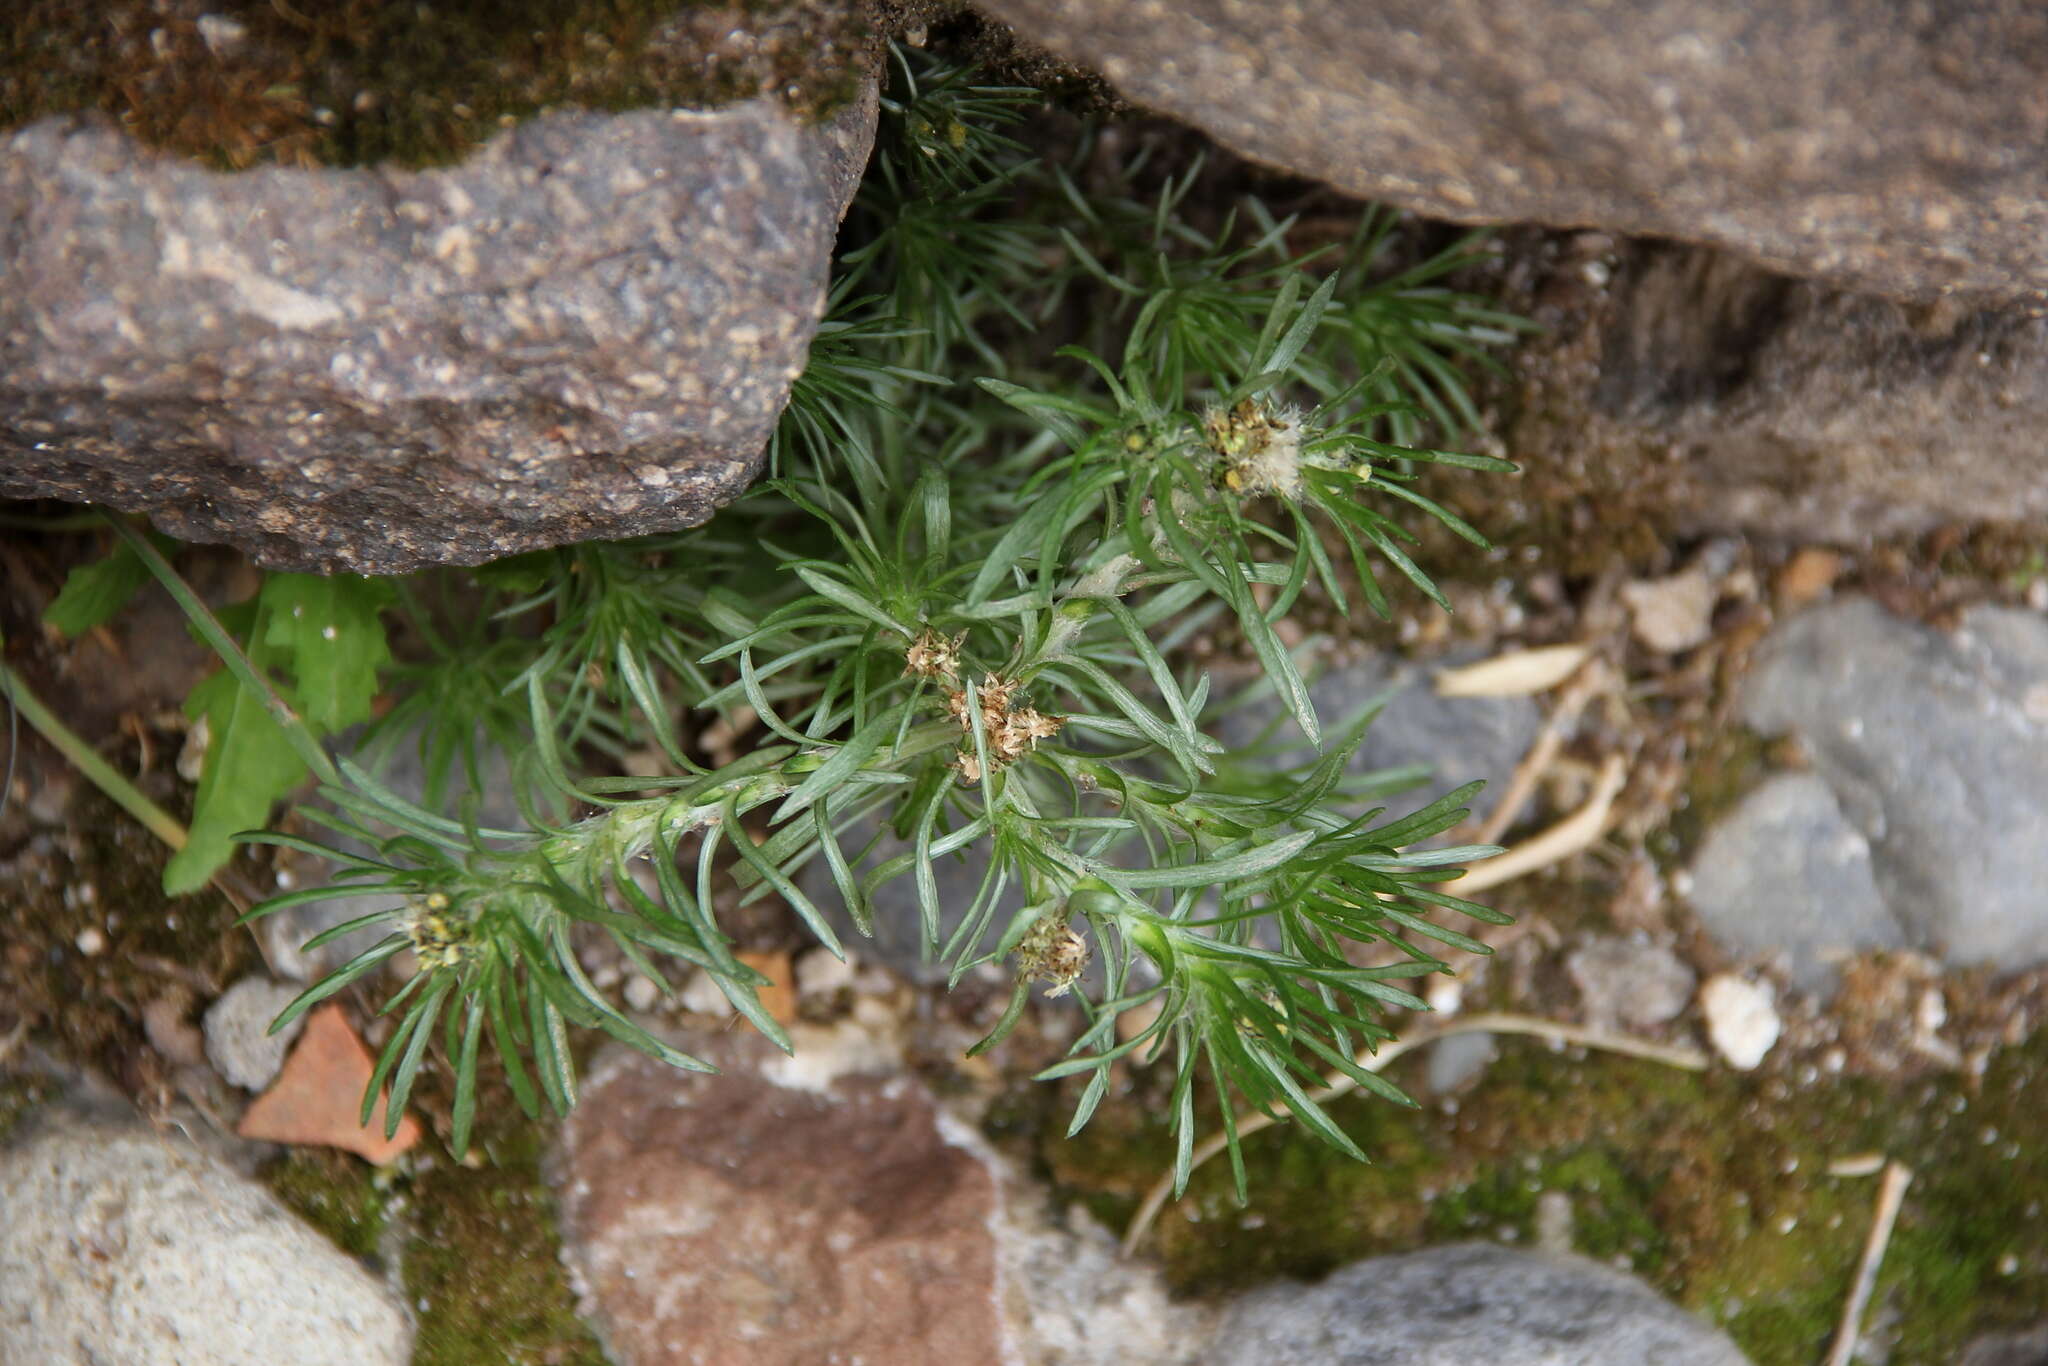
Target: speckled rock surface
point(1471, 1304)
point(587, 329)
point(1831, 138)
point(120, 1246)
point(815, 1210)
point(729, 1219)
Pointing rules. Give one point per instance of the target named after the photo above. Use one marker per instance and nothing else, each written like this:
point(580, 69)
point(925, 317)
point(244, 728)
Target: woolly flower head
point(1258, 447)
point(1053, 952)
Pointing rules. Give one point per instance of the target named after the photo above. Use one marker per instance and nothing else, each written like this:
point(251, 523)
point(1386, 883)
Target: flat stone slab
point(1825, 139)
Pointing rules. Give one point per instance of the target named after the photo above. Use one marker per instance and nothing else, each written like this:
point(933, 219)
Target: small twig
point(1587, 682)
point(1337, 1084)
point(1575, 832)
point(1890, 1195)
point(10, 1042)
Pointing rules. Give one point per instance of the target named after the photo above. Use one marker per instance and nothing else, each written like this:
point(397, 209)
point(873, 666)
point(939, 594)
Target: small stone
point(641, 992)
point(1622, 982)
point(223, 36)
point(700, 995)
point(1554, 1222)
point(1924, 739)
point(778, 997)
point(1463, 1303)
point(1457, 1061)
point(1674, 614)
point(820, 972)
point(91, 941)
point(239, 1043)
point(1742, 1021)
point(782, 1226)
point(1786, 874)
point(1806, 576)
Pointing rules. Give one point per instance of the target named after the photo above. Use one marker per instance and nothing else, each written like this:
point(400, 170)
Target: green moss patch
point(1714, 1187)
point(483, 1263)
point(335, 1193)
point(250, 82)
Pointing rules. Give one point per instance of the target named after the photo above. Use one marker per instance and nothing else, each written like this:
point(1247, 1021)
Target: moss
point(1712, 1186)
point(335, 1193)
point(483, 1263)
point(1612, 1215)
point(1728, 765)
point(248, 82)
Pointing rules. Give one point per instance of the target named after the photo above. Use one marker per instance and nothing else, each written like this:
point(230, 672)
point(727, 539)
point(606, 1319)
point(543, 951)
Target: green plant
point(967, 631)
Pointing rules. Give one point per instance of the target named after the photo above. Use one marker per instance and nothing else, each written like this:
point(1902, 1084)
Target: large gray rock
point(120, 1246)
point(587, 329)
point(1832, 138)
point(1473, 1304)
point(1713, 395)
point(1786, 873)
point(1936, 747)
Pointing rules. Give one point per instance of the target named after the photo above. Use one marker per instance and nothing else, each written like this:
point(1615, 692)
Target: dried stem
point(1890, 1195)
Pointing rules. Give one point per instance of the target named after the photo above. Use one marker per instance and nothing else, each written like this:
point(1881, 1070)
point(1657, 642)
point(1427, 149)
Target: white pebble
point(641, 992)
point(1742, 1022)
point(91, 942)
point(821, 973)
point(702, 996)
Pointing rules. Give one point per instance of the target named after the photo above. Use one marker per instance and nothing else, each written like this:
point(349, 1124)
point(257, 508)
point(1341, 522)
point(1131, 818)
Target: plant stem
point(87, 761)
point(303, 742)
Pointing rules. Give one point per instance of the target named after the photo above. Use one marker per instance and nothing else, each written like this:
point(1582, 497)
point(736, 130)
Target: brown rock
point(587, 329)
point(319, 1095)
point(1831, 138)
point(728, 1221)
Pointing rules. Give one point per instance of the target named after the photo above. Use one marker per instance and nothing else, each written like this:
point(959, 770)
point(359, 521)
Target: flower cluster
point(440, 937)
point(1052, 951)
point(932, 655)
point(1259, 447)
point(1007, 733)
